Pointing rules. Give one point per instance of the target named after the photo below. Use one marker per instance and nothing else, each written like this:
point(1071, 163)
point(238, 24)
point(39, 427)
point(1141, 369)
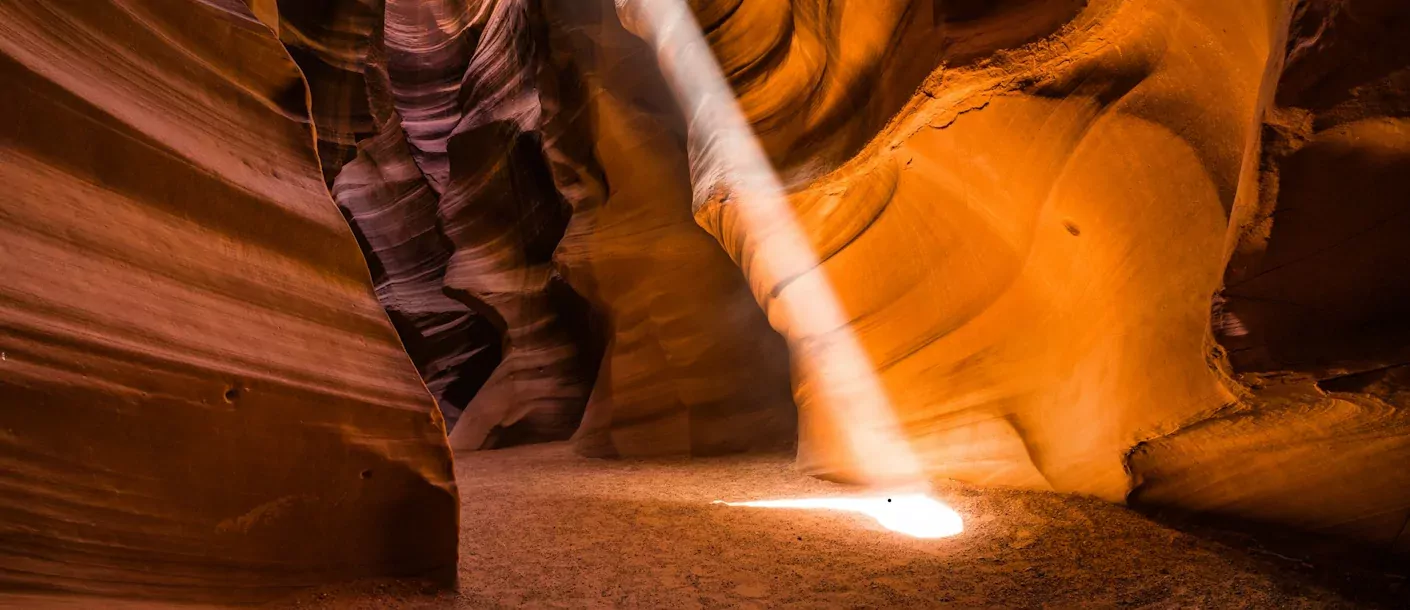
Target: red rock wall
point(200, 398)
point(1145, 250)
point(1032, 243)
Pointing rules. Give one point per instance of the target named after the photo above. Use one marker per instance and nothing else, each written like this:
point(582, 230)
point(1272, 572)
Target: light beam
point(727, 156)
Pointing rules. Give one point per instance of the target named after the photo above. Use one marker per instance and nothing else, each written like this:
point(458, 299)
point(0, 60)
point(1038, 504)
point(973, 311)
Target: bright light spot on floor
point(915, 515)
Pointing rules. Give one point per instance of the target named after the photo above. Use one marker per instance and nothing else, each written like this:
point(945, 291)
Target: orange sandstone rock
point(200, 399)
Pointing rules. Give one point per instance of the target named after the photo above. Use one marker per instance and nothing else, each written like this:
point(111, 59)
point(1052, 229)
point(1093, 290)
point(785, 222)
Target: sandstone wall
point(1147, 250)
point(522, 165)
point(1031, 251)
point(200, 398)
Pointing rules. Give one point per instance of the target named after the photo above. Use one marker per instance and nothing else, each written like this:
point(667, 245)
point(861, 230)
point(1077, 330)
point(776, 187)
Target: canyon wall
point(1031, 251)
point(1147, 250)
point(520, 166)
point(691, 366)
point(1314, 312)
point(200, 398)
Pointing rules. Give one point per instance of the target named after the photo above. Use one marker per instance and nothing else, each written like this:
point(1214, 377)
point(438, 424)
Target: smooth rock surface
point(1150, 251)
point(200, 398)
point(1032, 251)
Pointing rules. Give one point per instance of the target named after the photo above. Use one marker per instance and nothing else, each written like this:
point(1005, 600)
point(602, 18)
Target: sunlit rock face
point(1028, 250)
point(1031, 249)
point(200, 398)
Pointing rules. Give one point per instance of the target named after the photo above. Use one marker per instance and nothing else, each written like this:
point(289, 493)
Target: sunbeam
point(727, 154)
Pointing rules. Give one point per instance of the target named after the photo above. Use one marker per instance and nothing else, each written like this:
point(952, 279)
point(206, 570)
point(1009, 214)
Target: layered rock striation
point(200, 398)
point(1150, 251)
point(520, 166)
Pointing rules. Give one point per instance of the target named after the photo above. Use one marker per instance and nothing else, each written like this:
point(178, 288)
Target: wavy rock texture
point(818, 80)
point(1028, 334)
point(199, 396)
point(486, 338)
point(1029, 250)
point(503, 219)
point(1315, 311)
point(460, 137)
point(388, 200)
point(1148, 250)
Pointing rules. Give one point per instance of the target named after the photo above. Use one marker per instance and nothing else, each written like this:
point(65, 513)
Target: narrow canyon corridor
point(362, 304)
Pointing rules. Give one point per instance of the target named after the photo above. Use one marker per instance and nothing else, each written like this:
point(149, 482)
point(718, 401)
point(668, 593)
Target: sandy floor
point(547, 529)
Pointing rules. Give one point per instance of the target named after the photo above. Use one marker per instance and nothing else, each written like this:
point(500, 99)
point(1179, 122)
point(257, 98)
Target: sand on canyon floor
point(545, 528)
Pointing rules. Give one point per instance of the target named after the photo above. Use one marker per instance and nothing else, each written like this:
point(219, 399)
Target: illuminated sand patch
point(915, 515)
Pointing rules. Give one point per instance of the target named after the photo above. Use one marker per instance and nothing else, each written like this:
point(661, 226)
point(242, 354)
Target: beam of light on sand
point(726, 154)
point(915, 515)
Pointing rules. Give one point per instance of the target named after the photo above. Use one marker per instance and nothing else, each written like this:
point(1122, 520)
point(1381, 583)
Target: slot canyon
point(704, 303)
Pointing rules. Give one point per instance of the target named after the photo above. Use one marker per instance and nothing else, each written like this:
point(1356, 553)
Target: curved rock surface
point(691, 366)
point(390, 204)
point(522, 163)
point(1315, 308)
point(1053, 300)
point(1028, 253)
point(1147, 250)
point(199, 396)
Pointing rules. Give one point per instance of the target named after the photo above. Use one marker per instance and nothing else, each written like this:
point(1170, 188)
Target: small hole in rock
point(232, 394)
point(367, 474)
point(1071, 228)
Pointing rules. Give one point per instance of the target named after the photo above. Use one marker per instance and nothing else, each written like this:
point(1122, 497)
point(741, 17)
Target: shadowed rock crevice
point(691, 366)
point(529, 123)
point(193, 367)
point(1317, 293)
point(394, 193)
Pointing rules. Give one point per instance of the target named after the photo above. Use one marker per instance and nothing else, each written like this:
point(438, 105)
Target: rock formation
point(1314, 312)
point(691, 366)
point(1147, 250)
point(199, 396)
point(522, 168)
point(1030, 250)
